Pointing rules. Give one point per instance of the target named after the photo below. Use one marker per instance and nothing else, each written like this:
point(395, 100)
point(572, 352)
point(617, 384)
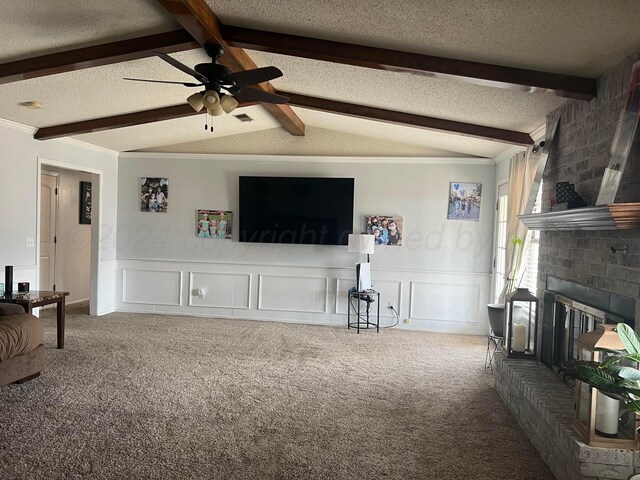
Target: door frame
point(96, 226)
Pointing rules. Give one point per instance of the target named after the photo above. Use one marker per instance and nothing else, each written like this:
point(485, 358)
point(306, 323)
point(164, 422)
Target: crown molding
point(507, 153)
point(81, 144)
point(308, 159)
point(69, 141)
point(17, 126)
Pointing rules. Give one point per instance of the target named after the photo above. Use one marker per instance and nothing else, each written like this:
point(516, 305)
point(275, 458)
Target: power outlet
point(199, 292)
point(391, 305)
point(31, 242)
point(407, 320)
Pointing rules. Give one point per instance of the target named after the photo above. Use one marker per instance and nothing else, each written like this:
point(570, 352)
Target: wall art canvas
point(464, 201)
point(85, 203)
point(154, 194)
point(386, 228)
point(213, 223)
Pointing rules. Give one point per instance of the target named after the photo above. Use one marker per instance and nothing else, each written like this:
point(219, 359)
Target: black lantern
point(521, 324)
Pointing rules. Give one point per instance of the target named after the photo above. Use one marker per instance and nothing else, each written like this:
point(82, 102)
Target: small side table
point(369, 297)
point(40, 298)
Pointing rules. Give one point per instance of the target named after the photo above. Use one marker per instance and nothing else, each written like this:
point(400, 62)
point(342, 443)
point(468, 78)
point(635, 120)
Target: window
point(529, 267)
point(500, 254)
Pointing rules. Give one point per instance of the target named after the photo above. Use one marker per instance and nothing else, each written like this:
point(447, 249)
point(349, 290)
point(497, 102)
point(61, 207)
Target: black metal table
point(368, 297)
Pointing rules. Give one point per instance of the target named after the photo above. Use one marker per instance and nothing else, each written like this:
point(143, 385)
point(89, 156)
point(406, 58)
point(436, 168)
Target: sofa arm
point(10, 309)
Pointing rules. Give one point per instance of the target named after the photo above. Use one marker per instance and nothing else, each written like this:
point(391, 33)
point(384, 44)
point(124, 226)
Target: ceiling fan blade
point(182, 66)
point(247, 94)
point(164, 81)
point(257, 75)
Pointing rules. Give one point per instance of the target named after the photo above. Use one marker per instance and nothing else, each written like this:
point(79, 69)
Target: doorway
point(65, 234)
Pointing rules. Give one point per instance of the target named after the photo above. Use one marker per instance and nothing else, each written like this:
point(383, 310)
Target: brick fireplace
point(590, 267)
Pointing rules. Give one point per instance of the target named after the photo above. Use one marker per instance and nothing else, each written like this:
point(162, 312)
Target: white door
point(48, 222)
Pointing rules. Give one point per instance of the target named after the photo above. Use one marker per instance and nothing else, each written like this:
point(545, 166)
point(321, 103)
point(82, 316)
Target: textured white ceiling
point(578, 37)
point(583, 37)
point(317, 141)
point(37, 27)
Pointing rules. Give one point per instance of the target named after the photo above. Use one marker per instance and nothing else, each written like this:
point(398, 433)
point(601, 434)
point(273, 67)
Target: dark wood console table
point(40, 298)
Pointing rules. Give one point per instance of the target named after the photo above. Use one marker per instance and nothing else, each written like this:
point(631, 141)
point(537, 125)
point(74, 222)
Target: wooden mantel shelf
point(617, 216)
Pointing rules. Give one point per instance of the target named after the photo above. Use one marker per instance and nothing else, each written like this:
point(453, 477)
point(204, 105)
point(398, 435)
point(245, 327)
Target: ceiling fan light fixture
point(195, 101)
point(228, 103)
point(211, 101)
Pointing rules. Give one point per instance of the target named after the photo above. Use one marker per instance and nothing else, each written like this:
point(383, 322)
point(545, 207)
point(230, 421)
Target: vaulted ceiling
point(445, 109)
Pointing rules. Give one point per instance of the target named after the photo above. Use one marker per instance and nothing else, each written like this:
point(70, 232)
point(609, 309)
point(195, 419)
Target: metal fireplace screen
point(561, 328)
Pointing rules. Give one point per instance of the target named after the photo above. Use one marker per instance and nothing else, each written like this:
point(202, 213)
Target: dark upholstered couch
point(21, 345)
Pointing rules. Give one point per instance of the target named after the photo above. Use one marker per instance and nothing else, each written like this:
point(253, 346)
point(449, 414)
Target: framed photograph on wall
point(154, 194)
point(387, 229)
point(85, 203)
point(464, 201)
point(213, 224)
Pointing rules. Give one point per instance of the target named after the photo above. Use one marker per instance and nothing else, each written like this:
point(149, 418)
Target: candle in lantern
point(519, 338)
point(607, 411)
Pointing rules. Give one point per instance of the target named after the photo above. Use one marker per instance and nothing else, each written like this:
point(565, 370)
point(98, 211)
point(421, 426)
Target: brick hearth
point(543, 407)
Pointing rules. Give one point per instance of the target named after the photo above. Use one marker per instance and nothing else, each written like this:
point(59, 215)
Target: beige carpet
point(149, 396)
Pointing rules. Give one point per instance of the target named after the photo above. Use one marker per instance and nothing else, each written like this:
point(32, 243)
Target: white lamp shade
point(361, 243)
point(195, 101)
point(211, 101)
point(228, 103)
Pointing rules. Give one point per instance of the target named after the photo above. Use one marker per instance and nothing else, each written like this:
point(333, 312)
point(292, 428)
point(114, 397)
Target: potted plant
point(610, 376)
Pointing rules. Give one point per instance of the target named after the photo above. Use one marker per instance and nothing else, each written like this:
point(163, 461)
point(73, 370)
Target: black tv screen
point(312, 211)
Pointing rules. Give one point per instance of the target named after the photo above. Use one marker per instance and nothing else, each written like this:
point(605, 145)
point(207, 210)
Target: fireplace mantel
point(617, 216)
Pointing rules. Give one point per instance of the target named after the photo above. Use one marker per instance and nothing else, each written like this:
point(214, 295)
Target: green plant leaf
point(610, 361)
point(629, 338)
point(628, 373)
point(632, 356)
point(633, 405)
point(596, 377)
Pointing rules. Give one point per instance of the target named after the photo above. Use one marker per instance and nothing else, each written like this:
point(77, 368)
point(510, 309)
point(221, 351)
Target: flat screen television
point(298, 210)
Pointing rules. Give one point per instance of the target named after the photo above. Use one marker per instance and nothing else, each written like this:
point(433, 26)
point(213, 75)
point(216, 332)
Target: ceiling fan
point(222, 89)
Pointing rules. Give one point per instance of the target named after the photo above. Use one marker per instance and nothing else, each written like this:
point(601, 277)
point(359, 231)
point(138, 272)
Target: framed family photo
point(387, 229)
point(464, 201)
point(213, 223)
point(154, 194)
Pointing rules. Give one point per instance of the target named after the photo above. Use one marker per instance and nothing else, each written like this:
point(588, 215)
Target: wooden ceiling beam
point(304, 101)
point(198, 19)
point(119, 121)
point(95, 56)
point(410, 119)
point(509, 78)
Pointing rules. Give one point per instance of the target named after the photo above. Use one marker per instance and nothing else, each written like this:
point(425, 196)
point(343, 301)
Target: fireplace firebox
point(572, 309)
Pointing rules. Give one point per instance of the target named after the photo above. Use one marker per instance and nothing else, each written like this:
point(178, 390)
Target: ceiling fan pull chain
point(206, 127)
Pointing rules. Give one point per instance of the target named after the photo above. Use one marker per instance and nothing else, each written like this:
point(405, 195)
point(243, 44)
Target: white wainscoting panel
point(342, 289)
point(293, 293)
point(154, 287)
point(445, 302)
point(222, 290)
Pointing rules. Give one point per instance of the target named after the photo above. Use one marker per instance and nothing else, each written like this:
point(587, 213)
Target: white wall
point(19, 182)
point(440, 278)
point(73, 250)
